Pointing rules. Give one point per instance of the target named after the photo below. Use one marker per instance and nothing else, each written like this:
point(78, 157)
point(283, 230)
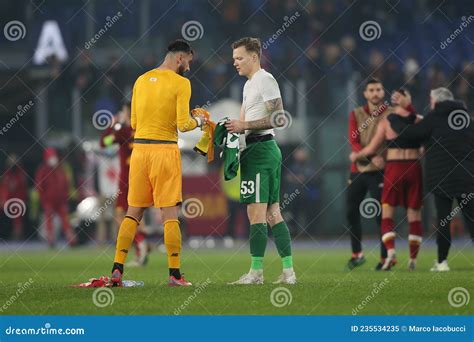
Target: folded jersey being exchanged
point(229, 143)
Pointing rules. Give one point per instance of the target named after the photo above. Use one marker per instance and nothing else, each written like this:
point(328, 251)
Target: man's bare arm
point(275, 108)
point(274, 105)
point(375, 143)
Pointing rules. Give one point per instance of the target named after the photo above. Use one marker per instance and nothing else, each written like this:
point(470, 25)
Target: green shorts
point(260, 167)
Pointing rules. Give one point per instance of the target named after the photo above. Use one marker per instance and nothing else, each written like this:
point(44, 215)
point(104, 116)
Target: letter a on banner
point(50, 43)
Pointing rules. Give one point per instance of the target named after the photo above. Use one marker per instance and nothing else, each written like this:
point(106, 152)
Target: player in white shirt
point(260, 161)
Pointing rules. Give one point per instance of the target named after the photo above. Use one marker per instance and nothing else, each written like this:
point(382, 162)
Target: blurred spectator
point(53, 187)
point(13, 186)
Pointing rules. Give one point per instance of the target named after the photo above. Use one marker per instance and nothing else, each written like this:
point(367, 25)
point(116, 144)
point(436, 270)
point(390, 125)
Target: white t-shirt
point(260, 88)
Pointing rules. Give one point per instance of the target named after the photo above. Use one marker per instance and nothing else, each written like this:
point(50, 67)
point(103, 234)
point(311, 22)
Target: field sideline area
point(324, 287)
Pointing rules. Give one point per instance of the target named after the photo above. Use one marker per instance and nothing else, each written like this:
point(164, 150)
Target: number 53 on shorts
point(261, 187)
point(260, 173)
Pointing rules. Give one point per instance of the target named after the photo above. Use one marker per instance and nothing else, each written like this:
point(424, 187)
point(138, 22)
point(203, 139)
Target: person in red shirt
point(13, 185)
point(52, 184)
point(121, 133)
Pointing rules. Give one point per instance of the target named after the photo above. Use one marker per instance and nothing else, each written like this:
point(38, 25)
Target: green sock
point(257, 263)
point(258, 244)
point(283, 243)
point(287, 262)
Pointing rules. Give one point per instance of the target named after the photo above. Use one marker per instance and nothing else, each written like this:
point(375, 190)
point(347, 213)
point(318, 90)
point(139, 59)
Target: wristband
point(198, 121)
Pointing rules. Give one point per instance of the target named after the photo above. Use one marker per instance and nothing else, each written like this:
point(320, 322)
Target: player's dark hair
point(127, 103)
point(372, 81)
point(403, 91)
point(251, 45)
point(180, 45)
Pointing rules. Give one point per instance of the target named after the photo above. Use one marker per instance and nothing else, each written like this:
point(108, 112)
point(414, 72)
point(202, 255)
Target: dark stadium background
point(320, 62)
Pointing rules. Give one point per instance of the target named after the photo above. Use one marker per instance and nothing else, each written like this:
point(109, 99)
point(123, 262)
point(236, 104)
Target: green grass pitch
point(323, 289)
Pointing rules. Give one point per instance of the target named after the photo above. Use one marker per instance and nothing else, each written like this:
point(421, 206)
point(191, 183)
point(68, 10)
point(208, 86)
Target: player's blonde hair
point(251, 45)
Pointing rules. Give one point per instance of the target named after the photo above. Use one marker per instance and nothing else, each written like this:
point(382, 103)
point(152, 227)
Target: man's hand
point(235, 126)
point(402, 100)
point(203, 120)
point(201, 115)
point(378, 161)
point(353, 157)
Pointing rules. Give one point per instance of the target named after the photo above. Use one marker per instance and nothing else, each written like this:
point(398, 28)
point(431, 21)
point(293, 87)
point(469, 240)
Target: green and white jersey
point(262, 87)
point(229, 142)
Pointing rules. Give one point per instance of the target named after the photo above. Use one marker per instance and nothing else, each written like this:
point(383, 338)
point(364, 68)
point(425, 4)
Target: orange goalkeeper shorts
point(155, 176)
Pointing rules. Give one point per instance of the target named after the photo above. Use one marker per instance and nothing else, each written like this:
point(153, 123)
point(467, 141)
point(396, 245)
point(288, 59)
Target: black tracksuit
point(359, 184)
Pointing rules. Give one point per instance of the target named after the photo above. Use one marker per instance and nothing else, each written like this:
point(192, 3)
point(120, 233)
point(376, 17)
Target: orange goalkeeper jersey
point(160, 105)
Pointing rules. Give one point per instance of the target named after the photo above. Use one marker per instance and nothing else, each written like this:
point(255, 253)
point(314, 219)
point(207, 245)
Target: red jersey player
point(53, 186)
point(402, 180)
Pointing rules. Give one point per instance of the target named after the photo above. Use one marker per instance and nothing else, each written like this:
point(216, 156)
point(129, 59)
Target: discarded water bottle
point(132, 283)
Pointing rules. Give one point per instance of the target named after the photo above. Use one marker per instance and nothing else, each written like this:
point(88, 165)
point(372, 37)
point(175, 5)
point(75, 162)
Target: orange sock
point(173, 243)
point(125, 237)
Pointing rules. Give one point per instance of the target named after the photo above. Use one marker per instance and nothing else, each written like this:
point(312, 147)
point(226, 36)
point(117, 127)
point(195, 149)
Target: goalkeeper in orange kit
point(160, 106)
